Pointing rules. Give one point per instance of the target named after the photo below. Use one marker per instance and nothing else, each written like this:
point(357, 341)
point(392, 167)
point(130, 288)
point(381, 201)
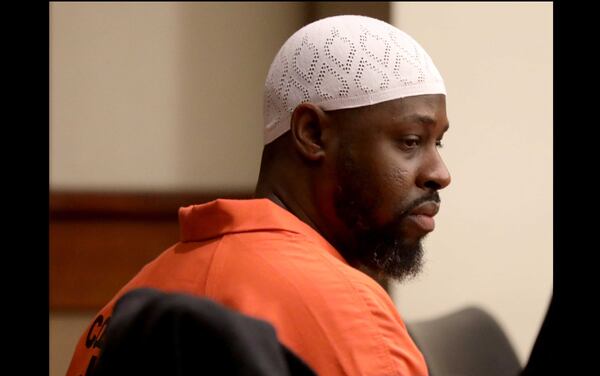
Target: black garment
point(157, 333)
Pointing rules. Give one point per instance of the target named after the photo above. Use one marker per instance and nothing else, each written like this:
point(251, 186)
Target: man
point(354, 113)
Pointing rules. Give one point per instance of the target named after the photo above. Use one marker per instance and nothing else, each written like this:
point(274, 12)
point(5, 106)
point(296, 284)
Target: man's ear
point(308, 126)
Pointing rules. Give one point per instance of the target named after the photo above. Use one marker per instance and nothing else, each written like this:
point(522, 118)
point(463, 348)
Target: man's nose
point(434, 173)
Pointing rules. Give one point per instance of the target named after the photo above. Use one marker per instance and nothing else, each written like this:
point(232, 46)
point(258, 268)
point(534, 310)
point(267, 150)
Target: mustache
point(434, 197)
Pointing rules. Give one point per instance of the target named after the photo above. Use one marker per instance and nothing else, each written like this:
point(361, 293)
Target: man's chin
point(398, 260)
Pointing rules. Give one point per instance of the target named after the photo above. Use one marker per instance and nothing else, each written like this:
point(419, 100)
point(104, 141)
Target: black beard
point(388, 256)
point(378, 249)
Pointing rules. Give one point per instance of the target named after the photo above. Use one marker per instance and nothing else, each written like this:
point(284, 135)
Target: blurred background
point(159, 105)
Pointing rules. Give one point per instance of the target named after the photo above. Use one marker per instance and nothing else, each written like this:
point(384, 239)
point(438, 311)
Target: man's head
point(354, 115)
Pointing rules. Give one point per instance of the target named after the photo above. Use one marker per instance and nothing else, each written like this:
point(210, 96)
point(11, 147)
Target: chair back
point(468, 342)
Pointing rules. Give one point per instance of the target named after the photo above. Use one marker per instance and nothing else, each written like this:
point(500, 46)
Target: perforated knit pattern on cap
point(344, 62)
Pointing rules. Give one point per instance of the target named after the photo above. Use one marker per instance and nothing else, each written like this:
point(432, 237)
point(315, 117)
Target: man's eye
point(439, 144)
point(410, 143)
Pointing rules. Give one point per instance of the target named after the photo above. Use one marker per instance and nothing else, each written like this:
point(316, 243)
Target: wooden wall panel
point(98, 241)
point(91, 259)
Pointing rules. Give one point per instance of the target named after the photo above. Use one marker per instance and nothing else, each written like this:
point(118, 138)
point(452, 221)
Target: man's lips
point(423, 215)
point(428, 208)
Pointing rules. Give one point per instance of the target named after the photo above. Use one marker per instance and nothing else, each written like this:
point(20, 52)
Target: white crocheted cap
point(343, 62)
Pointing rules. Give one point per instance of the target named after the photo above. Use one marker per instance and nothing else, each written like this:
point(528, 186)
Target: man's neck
point(285, 202)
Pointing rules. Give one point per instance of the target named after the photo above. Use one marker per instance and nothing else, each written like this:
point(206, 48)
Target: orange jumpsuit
point(259, 259)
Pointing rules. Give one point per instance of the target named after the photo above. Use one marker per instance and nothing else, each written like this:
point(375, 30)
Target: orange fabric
point(261, 260)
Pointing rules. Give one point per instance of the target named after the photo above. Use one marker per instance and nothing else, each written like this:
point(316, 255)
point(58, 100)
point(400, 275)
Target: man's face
point(388, 172)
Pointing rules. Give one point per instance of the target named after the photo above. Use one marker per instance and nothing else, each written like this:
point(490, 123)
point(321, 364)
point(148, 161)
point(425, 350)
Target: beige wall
point(493, 242)
point(161, 96)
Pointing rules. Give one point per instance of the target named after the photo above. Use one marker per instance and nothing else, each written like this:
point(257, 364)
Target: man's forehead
point(422, 109)
point(428, 111)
